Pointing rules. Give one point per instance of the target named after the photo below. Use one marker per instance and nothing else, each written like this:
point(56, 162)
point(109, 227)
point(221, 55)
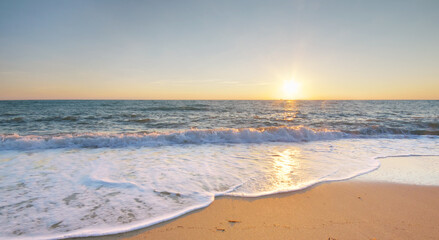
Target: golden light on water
point(291, 90)
point(284, 164)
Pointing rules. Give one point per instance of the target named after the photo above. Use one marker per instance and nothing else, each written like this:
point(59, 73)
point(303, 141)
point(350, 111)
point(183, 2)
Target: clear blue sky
point(218, 49)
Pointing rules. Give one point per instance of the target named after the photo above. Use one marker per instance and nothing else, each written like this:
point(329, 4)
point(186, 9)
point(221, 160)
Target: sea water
point(88, 168)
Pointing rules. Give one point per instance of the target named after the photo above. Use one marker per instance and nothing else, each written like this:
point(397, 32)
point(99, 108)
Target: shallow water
point(406, 169)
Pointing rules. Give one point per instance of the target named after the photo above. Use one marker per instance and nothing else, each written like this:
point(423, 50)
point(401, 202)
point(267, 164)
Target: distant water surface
point(362, 117)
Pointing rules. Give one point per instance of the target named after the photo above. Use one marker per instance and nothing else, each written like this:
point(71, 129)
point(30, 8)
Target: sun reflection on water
point(284, 165)
point(290, 110)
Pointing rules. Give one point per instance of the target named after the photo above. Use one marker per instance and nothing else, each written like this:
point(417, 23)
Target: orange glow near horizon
point(272, 87)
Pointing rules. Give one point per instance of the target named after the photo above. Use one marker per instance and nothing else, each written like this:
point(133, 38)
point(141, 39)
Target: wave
point(15, 120)
point(58, 118)
point(182, 108)
point(194, 136)
point(380, 130)
point(8, 114)
point(142, 120)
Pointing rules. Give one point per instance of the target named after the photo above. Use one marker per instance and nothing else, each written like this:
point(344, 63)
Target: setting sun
point(290, 89)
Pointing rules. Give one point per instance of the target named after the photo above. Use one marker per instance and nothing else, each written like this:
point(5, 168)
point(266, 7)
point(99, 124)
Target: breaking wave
point(195, 136)
point(103, 140)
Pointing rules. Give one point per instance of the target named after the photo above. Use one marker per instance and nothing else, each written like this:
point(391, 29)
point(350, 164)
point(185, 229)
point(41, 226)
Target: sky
point(219, 49)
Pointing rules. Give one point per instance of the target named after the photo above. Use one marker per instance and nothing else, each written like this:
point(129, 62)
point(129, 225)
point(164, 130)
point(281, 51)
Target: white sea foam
point(100, 140)
point(195, 136)
point(109, 190)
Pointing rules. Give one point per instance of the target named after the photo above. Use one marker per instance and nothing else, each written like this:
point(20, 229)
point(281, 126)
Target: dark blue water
point(360, 117)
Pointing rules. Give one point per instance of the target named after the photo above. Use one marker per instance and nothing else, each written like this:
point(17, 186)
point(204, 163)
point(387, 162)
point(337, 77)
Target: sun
point(290, 89)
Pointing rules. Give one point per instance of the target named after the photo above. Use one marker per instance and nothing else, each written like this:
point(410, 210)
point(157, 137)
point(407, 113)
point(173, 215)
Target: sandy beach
point(353, 209)
point(340, 210)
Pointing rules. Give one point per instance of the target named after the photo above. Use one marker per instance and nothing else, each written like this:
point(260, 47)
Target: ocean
point(88, 168)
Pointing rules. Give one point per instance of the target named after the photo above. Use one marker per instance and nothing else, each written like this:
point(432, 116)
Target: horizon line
point(127, 99)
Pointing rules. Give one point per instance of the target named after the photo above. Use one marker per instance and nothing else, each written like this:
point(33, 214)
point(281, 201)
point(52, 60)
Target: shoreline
point(364, 207)
point(335, 210)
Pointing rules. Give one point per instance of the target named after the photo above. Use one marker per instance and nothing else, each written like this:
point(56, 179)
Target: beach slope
point(338, 210)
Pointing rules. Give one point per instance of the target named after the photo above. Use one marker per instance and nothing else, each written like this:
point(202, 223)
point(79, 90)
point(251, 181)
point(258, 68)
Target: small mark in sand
point(180, 226)
point(233, 222)
point(221, 229)
point(359, 197)
point(330, 238)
